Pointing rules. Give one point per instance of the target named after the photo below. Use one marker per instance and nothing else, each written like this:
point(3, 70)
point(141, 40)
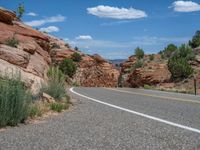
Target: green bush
point(13, 42)
point(139, 53)
point(151, 57)
point(14, 101)
point(179, 68)
point(138, 64)
point(169, 50)
point(68, 67)
point(55, 86)
point(195, 42)
point(184, 51)
point(34, 111)
point(76, 57)
point(58, 107)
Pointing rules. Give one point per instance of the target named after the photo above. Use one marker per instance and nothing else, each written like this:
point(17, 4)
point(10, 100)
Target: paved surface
point(95, 126)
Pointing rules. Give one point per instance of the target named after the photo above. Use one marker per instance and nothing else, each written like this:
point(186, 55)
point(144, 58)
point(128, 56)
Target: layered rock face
point(152, 73)
point(36, 51)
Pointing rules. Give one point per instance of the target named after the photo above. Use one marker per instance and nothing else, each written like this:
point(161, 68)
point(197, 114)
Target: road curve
point(110, 119)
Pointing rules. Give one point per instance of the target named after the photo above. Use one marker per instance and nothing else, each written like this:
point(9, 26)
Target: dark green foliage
point(179, 68)
point(14, 101)
point(56, 84)
point(195, 42)
point(76, 48)
point(178, 64)
point(169, 50)
point(151, 57)
point(20, 11)
point(139, 53)
point(68, 67)
point(184, 51)
point(139, 63)
point(13, 42)
point(76, 57)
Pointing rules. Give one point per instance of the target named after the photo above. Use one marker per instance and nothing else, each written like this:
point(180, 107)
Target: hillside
point(154, 74)
point(31, 52)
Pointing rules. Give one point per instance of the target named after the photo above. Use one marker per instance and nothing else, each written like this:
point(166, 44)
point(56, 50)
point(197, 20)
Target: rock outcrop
point(152, 73)
point(36, 51)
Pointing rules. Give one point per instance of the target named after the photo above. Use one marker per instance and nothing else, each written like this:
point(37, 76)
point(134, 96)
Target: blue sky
point(114, 28)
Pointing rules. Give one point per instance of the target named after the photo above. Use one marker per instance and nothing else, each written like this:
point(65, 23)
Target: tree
point(68, 67)
point(139, 53)
point(169, 50)
point(20, 11)
point(195, 42)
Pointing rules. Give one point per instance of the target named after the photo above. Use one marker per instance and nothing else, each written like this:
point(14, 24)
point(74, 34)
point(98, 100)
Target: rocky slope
point(36, 51)
point(155, 73)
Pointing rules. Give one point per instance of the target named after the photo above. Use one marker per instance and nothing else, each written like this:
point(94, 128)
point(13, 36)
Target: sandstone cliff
point(36, 51)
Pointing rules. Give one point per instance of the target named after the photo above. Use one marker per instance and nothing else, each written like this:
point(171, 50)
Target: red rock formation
point(36, 52)
point(152, 73)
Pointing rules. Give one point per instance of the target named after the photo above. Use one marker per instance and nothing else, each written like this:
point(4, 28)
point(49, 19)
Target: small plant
point(14, 101)
point(13, 42)
point(58, 107)
point(55, 86)
point(151, 57)
point(76, 48)
point(138, 64)
point(68, 67)
point(20, 11)
point(146, 86)
point(139, 53)
point(76, 57)
point(34, 111)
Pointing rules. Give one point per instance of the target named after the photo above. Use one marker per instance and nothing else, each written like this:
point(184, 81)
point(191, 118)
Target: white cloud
point(84, 37)
point(31, 14)
point(36, 23)
point(116, 12)
point(50, 29)
point(185, 6)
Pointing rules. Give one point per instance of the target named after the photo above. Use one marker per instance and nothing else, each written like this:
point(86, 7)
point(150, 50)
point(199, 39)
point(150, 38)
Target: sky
point(113, 28)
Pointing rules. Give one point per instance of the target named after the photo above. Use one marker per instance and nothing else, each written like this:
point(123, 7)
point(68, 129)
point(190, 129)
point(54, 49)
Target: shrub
point(151, 57)
point(195, 42)
point(34, 111)
point(55, 86)
point(76, 48)
point(139, 53)
point(169, 50)
point(146, 86)
point(138, 64)
point(184, 51)
point(76, 57)
point(179, 68)
point(58, 107)
point(13, 42)
point(14, 101)
point(68, 67)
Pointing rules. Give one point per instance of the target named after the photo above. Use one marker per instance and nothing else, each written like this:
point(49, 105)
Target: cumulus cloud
point(84, 37)
point(31, 14)
point(185, 6)
point(53, 19)
point(116, 12)
point(50, 29)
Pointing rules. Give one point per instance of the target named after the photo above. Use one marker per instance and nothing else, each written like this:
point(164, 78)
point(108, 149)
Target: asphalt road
point(114, 119)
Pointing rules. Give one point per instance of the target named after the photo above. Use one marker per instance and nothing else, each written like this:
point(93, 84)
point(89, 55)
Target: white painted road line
point(138, 113)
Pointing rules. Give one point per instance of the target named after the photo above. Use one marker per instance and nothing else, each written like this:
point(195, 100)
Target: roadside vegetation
point(17, 104)
point(68, 67)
